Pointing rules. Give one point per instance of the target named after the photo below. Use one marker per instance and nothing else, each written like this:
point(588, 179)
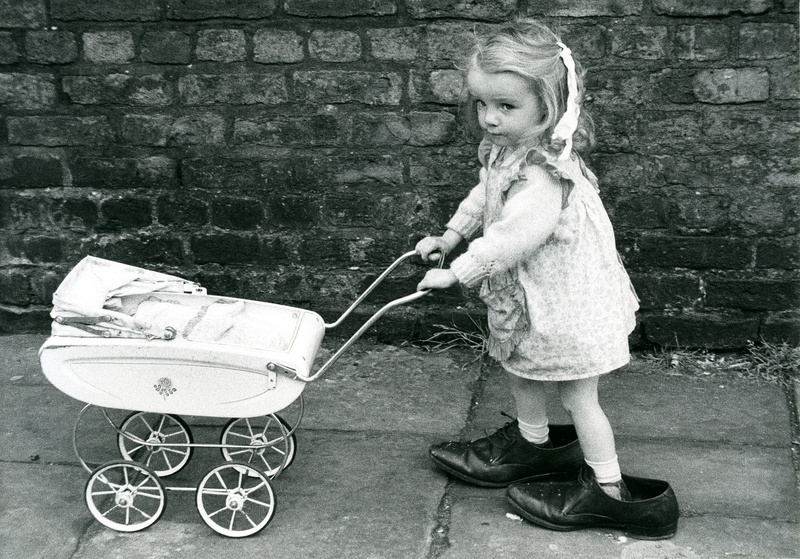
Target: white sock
point(536, 434)
point(606, 472)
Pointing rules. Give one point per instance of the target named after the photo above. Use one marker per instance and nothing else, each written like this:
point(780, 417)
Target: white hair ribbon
point(568, 123)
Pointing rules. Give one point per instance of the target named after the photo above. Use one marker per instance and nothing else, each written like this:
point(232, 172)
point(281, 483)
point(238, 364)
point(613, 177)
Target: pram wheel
point(142, 435)
point(235, 500)
point(125, 496)
point(273, 451)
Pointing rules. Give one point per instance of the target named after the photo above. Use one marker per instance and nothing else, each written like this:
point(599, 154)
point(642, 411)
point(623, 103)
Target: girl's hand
point(431, 248)
point(437, 278)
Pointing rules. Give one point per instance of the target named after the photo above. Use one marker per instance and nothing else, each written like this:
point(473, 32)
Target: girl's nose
point(490, 117)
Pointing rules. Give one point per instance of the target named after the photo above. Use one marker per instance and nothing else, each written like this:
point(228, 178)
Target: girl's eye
point(480, 104)
point(507, 107)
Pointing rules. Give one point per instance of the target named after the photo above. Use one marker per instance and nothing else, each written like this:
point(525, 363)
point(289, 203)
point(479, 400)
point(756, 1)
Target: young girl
point(560, 304)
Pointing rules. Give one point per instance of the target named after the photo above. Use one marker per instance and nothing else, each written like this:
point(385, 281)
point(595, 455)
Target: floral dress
point(561, 310)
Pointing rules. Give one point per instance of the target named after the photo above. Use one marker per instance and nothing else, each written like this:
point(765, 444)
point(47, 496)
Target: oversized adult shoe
point(505, 457)
point(581, 503)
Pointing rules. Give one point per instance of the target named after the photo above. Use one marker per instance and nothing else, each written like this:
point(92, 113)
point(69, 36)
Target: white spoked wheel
point(142, 435)
point(236, 500)
point(125, 496)
point(272, 450)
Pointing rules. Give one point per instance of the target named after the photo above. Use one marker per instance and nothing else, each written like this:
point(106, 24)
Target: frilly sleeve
point(536, 157)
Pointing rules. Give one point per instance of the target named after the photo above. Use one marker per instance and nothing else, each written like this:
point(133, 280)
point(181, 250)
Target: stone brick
point(785, 82)
point(415, 128)
point(126, 213)
point(236, 213)
point(146, 130)
point(712, 331)
point(277, 46)
point(759, 41)
point(14, 288)
point(225, 248)
point(710, 7)
point(51, 47)
point(752, 294)
point(166, 47)
point(458, 171)
point(210, 173)
point(702, 42)
point(693, 252)
point(334, 46)
point(108, 47)
point(639, 42)
point(212, 9)
point(492, 10)
point(43, 285)
point(781, 328)
point(587, 42)
point(26, 14)
point(24, 321)
point(645, 211)
point(80, 213)
point(221, 45)
point(294, 209)
point(398, 43)
point(233, 89)
point(327, 86)
point(141, 249)
point(27, 91)
point(59, 131)
point(778, 253)
point(38, 249)
point(335, 8)
point(198, 129)
point(732, 85)
point(119, 89)
point(665, 291)
point(584, 8)
point(314, 130)
point(181, 210)
point(106, 10)
point(437, 86)
point(36, 170)
point(449, 43)
point(145, 172)
point(9, 51)
point(320, 249)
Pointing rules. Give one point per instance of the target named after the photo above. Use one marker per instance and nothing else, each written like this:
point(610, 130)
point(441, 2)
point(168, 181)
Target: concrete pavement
point(362, 486)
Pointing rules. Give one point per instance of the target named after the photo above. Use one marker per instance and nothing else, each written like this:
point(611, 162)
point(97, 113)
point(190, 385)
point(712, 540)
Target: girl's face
point(509, 111)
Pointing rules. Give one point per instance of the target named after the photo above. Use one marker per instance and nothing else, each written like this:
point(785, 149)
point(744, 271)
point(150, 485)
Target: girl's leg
point(579, 398)
point(529, 397)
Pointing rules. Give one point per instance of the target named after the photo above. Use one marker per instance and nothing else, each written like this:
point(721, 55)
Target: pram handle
point(387, 307)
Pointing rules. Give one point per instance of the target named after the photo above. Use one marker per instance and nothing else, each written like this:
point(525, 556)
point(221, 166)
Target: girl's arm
point(528, 218)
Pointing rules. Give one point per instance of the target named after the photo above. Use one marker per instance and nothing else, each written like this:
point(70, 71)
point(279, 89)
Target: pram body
point(129, 338)
point(157, 343)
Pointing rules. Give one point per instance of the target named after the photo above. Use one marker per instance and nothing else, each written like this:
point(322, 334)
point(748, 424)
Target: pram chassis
point(130, 495)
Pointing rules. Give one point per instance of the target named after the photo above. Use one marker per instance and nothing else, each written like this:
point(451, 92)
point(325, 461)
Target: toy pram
point(134, 339)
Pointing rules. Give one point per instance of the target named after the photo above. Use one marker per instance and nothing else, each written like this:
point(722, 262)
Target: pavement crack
point(440, 535)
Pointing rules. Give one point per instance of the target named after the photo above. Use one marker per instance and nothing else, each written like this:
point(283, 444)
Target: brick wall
point(287, 151)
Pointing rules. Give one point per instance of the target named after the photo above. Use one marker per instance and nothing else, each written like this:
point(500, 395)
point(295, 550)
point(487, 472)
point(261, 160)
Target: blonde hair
point(530, 50)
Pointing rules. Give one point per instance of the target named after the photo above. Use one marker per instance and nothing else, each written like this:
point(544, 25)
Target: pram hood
point(89, 297)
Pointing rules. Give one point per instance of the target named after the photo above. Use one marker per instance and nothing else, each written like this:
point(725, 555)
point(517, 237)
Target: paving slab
point(42, 513)
point(484, 527)
point(347, 495)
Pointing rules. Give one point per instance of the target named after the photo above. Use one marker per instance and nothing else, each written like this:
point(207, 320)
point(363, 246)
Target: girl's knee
point(578, 395)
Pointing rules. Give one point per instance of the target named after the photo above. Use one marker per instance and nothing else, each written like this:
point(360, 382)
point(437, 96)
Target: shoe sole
point(493, 484)
point(637, 532)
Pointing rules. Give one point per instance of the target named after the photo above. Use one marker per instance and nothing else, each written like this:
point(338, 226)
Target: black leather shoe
point(505, 457)
point(652, 513)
